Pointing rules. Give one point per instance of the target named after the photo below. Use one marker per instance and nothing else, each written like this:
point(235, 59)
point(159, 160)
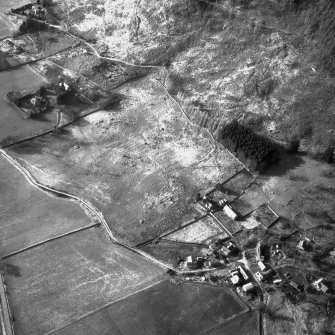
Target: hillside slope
point(230, 59)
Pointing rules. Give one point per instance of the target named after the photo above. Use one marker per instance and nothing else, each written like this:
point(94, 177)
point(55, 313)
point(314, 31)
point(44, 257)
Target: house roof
point(248, 287)
point(235, 279)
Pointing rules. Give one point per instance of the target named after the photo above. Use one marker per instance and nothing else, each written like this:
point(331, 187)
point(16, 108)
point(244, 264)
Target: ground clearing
point(30, 216)
point(64, 280)
point(142, 164)
point(12, 123)
point(173, 252)
point(163, 309)
point(200, 231)
point(246, 324)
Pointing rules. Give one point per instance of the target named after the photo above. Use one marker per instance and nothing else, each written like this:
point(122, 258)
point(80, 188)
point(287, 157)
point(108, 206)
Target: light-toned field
point(142, 165)
point(30, 216)
point(66, 279)
point(200, 231)
point(12, 122)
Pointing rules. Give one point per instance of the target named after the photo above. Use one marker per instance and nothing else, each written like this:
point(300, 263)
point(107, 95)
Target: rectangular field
point(265, 215)
point(252, 198)
point(172, 252)
point(30, 216)
point(64, 280)
point(141, 164)
point(200, 231)
point(236, 185)
point(164, 309)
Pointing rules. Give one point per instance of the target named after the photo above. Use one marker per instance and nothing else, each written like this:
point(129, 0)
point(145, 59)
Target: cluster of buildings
point(34, 10)
point(9, 47)
point(219, 251)
point(213, 203)
point(241, 279)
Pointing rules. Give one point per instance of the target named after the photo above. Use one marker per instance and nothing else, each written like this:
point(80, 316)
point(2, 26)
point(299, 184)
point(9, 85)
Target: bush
point(30, 25)
point(293, 145)
point(107, 101)
point(9, 140)
point(10, 270)
point(14, 97)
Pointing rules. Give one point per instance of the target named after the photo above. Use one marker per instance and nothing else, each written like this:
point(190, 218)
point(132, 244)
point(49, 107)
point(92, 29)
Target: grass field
point(4, 28)
point(68, 278)
point(29, 215)
point(246, 324)
point(6, 5)
point(142, 165)
point(12, 122)
point(179, 309)
point(252, 198)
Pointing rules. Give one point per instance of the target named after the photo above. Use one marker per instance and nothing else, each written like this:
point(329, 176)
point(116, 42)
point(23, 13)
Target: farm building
point(294, 285)
point(320, 285)
point(261, 266)
point(235, 278)
point(302, 245)
point(243, 273)
point(259, 256)
point(259, 276)
point(230, 212)
point(248, 287)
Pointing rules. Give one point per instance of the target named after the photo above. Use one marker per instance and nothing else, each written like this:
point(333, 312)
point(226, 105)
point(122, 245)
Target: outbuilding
point(302, 245)
point(320, 285)
point(261, 266)
point(259, 276)
point(249, 287)
point(230, 212)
